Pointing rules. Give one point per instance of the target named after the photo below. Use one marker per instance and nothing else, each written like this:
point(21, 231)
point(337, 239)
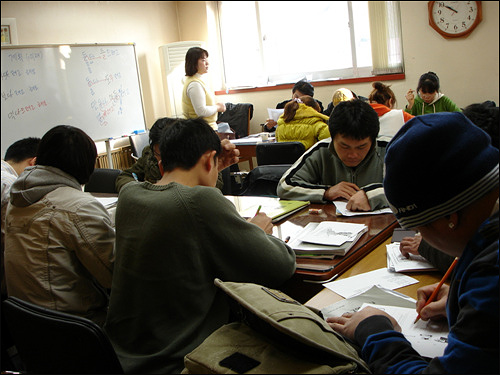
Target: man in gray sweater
point(174, 238)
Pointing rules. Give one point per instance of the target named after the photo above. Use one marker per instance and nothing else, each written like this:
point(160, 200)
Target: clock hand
point(450, 8)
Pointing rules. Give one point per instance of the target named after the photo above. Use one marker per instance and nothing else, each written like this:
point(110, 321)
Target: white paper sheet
point(342, 208)
point(397, 262)
point(364, 281)
point(429, 338)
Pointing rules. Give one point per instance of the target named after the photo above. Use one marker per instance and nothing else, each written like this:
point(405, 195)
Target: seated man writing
point(174, 238)
point(457, 214)
point(349, 165)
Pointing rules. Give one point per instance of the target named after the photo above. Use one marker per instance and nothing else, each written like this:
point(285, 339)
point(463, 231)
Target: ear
point(209, 160)
point(32, 161)
point(160, 166)
point(453, 220)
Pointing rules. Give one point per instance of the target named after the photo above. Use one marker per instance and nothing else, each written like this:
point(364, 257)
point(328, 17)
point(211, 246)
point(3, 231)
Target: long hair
point(292, 106)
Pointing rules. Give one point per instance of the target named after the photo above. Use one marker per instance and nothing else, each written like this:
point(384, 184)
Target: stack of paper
point(326, 239)
point(396, 262)
point(108, 202)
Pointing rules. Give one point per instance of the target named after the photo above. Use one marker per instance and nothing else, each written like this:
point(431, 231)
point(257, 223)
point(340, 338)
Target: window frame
point(353, 74)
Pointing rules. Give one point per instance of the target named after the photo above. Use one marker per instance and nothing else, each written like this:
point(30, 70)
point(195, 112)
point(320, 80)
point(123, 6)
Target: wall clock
point(454, 19)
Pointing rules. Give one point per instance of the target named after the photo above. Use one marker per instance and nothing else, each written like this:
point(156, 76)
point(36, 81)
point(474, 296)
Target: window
point(272, 42)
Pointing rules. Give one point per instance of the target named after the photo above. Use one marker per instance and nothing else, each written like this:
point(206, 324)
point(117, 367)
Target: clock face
point(454, 17)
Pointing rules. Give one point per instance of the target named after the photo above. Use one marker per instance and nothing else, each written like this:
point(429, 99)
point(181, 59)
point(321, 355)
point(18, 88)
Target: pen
point(258, 210)
point(434, 294)
point(287, 239)
point(135, 177)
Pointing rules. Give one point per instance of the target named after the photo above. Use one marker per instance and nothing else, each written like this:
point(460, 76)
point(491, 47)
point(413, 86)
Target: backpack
point(273, 333)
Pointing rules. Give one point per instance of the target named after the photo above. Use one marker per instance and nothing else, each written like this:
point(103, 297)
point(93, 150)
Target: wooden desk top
point(375, 260)
point(380, 227)
point(300, 287)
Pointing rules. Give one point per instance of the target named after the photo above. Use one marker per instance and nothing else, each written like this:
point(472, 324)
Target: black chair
point(263, 180)
point(279, 152)
point(238, 117)
point(137, 143)
point(102, 180)
point(53, 342)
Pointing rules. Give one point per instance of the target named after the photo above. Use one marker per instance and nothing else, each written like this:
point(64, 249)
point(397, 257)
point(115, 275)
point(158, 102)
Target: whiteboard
point(95, 87)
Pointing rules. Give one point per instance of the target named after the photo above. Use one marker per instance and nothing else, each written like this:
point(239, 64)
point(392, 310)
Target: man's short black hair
point(21, 150)
point(354, 119)
point(185, 141)
point(157, 129)
point(70, 149)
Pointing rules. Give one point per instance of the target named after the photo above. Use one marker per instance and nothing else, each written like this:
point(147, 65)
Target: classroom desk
point(375, 260)
point(300, 287)
point(305, 284)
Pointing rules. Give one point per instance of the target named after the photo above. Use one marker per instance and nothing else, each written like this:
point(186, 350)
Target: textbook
point(305, 245)
point(276, 208)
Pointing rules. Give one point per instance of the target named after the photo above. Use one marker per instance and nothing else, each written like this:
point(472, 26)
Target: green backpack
point(273, 334)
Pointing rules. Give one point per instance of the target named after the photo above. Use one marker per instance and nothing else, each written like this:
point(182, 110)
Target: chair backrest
point(238, 117)
point(279, 152)
point(102, 180)
point(53, 342)
point(263, 180)
point(137, 143)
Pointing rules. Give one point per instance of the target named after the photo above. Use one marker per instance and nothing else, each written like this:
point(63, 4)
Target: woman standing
point(197, 99)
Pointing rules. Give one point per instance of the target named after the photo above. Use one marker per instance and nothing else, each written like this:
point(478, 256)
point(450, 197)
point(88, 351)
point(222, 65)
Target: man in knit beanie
point(442, 180)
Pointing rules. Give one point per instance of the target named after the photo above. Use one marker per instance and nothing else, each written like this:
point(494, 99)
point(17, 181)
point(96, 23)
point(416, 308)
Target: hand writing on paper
point(263, 221)
point(229, 154)
point(409, 245)
point(341, 190)
point(359, 202)
point(347, 323)
point(435, 310)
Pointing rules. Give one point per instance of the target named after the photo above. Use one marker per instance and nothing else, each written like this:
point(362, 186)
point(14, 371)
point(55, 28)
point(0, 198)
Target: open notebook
point(277, 209)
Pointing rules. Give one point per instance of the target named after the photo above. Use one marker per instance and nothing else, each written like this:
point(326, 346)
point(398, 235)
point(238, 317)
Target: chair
point(102, 180)
point(263, 180)
point(238, 117)
point(279, 152)
point(53, 342)
point(137, 143)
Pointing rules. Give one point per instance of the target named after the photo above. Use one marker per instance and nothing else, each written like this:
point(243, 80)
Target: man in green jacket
point(349, 165)
point(173, 238)
point(146, 167)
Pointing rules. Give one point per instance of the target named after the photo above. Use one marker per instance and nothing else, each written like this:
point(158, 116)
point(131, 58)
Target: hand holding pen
point(437, 294)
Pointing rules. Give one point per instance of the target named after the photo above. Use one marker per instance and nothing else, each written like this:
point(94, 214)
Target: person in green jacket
point(429, 99)
point(146, 167)
point(173, 238)
point(302, 121)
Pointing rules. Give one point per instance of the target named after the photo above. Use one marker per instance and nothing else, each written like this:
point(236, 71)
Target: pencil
point(434, 294)
point(287, 239)
point(258, 210)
